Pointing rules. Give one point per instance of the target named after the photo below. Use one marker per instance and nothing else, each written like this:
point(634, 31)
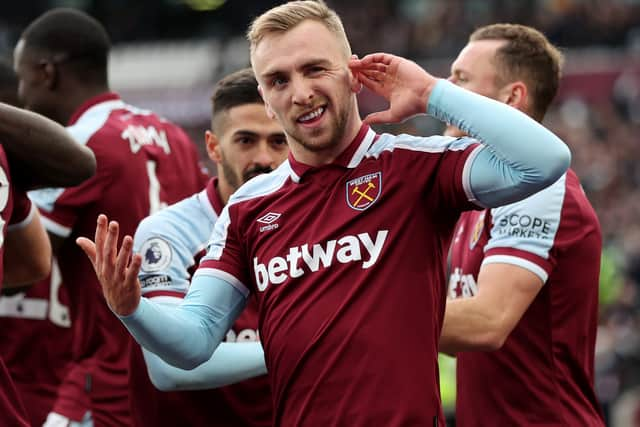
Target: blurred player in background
point(349, 320)
point(144, 163)
point(38, 314)
point(25, 250)
point(523, 278)
point(243, 143)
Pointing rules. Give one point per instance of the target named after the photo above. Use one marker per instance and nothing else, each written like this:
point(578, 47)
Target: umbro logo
point(268, 220)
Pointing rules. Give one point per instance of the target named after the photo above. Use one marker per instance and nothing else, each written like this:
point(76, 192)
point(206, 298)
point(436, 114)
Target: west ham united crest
point(363, 191)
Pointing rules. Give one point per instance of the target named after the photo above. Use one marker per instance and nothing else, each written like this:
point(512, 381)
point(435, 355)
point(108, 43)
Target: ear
point(354, 83)
point(50, 75)
point(213, 146)
point(516, 95)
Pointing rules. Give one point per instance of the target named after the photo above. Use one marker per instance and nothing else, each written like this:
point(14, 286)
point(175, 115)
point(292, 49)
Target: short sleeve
point(524, 233)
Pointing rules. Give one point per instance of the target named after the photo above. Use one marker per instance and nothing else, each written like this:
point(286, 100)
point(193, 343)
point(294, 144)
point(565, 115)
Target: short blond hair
point(285, 17)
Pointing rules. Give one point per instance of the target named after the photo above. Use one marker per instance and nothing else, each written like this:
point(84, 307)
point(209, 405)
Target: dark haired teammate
point(243, 142)
point(144, 163)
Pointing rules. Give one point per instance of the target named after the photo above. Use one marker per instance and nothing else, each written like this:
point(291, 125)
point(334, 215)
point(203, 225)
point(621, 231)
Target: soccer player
point(244, 142)
point(37, 314)
point(523, 277)
point(349, 317)
point(25, 251)
point(144, 163)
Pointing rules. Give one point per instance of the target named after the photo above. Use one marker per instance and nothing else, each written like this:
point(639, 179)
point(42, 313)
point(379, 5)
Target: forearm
point(230, 363)
point(469, 326)
point(41, 152)
point(521, 156)
point(186, 335)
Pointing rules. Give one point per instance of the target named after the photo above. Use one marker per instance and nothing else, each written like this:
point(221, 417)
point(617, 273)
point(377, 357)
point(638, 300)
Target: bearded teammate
point(244, 142)
point(144, 163)
point(349, 321)
point(523, 277)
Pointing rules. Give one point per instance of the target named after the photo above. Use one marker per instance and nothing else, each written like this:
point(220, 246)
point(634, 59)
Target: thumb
point(89, 249)
point(379, 117)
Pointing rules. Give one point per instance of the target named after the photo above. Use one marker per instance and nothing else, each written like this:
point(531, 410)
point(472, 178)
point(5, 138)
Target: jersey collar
point(213, 196)
point(349, 158)
point(108, 96)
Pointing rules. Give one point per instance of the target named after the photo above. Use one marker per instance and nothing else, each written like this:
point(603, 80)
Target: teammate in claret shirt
point(34, 152)
point(349, 321)
point(244, 142)
point(523, 277)
point(143, 164)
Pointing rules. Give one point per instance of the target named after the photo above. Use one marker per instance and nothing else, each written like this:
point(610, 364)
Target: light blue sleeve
point(187, 334)
point(230, 363)
point(520, 156)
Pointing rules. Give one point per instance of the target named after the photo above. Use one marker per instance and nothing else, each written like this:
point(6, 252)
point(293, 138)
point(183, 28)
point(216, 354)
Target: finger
point(374, 75)
point(110, 249)
point(101, 232)
point(382, 58)
point(379, 117)
point(131, 278)
point(122, 260)
point(89, 249)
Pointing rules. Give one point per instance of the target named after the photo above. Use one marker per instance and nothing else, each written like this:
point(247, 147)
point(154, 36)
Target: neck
point(74, 99)
point(223, 189)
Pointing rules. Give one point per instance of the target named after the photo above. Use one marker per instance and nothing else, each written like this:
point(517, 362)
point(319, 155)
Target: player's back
point(545, 367)
point(143, 164)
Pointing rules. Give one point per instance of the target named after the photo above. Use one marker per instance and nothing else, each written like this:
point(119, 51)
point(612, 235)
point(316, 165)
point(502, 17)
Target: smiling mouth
point(312, 116)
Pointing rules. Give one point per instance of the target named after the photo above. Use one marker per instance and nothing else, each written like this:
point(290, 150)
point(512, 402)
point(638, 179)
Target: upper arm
point(508, 290)
point(27, 252)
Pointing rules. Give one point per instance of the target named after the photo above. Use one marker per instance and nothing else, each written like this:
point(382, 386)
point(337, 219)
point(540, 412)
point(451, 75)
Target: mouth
point(312, 117)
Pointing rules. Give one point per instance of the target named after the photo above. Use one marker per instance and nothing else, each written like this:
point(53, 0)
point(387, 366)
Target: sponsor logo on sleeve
point(363, 191)
point(526, 226)
point(156, 255)
point(155, 281)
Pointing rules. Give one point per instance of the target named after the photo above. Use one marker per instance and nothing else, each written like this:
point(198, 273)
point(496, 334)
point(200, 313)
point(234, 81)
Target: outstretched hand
point(401, 82)
point(117, 271)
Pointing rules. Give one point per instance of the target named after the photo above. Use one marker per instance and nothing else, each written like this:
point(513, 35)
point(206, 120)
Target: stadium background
point(168, 54)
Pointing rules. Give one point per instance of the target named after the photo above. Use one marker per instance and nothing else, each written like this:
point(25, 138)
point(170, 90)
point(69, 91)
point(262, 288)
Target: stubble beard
point(336, 133)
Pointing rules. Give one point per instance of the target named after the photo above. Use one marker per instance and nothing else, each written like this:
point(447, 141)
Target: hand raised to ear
point(401, 82)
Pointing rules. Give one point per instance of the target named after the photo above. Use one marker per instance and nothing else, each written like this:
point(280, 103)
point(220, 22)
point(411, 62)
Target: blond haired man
point(349, 319)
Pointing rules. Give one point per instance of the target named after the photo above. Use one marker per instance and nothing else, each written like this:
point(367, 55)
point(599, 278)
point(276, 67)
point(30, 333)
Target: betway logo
point(344, 250)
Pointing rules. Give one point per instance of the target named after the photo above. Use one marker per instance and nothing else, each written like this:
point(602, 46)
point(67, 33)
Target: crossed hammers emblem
point(363, 194)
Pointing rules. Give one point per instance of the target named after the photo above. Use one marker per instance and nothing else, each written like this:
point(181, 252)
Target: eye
point(244, 140)
point(278, 82)
point(279, 142)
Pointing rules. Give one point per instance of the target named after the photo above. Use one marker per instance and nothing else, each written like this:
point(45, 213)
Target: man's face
point(305, 81)
point(31, 83)
point(474, 70)
point(248, 143)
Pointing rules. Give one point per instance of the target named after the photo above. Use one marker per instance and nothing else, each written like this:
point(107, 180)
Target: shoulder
point(173, 222)
point(93, 120)
point(431, 144)
point(262, 185)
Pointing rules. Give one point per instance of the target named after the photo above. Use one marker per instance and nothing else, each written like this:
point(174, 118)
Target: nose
point(302, 93)
point(264, 157)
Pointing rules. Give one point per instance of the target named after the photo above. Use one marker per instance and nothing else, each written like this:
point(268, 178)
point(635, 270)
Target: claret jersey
point(346, 261)
point(544, 373)
point(171, 243)
point(15, 211)
point(143, 164)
